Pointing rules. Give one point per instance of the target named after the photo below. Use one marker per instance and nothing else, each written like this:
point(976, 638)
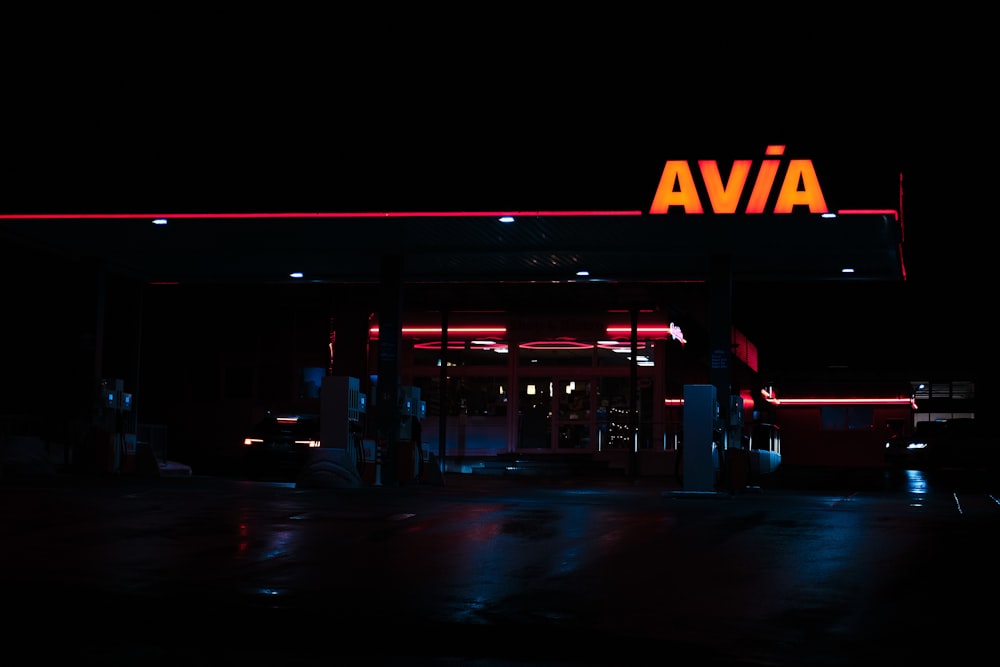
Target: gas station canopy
point(778, 216)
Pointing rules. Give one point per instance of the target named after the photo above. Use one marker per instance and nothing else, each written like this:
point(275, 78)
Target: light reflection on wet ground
point(491, 571)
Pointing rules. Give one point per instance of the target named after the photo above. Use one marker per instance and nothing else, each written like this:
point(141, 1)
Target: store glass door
point(534, 428)
point(573, 416)
point(556, 413)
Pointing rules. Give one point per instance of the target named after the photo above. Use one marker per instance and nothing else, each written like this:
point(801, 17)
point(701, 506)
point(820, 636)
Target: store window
point(461, 353)
point(485, 396)
point(847, 418)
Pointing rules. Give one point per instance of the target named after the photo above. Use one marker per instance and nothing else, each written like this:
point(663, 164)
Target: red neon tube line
point(300, 214)
point(416, 331)
point(820, 401)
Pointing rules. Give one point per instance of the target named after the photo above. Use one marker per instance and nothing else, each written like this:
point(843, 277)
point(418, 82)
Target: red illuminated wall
point(805, 443)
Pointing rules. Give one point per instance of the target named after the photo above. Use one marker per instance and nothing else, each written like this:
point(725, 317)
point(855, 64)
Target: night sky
point(211, 120)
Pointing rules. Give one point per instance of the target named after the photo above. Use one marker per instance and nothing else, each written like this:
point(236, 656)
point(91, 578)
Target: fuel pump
point(342, 408)
point(737, 457)
point(734, 427)
point(407, 433)
point(411, 411)
point(116, 427)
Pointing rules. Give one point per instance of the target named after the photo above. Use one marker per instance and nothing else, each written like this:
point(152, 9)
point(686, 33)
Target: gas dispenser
point(737, 458)
point(342, 405)
point(116, 427)
point(734, 428)
point(409, 451)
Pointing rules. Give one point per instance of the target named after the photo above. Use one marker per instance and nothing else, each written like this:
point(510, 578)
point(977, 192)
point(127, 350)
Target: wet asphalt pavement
point(807, 569)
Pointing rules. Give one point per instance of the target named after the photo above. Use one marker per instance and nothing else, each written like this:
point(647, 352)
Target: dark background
point(220, 113)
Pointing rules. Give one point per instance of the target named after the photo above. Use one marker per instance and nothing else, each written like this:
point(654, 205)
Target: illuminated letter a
point(810, 195)
point(676, 172)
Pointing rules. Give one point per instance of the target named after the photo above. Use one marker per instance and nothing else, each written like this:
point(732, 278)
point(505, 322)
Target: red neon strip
point(820, 401)
point(385, 214)
point(646, 330)
point(839, 401)
point(621, 346)
point(417, 331)
point(624, 310)
point(555, 345)
point(870, 211)
point(436, 345)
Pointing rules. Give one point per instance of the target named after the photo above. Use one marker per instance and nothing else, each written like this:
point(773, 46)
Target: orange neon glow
point(724, 198)
point(810, 195)
point(800, 187)
point(676, 188)
point(762, 186)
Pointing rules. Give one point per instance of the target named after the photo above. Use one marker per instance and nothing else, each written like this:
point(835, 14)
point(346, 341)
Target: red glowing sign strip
point(382, 214)
point(672, 331)
point(839, 401)
point(870, 211)
point(555, 345)
point(773, 399)
point(460, 331)
point(820, 401)
point(662, 331)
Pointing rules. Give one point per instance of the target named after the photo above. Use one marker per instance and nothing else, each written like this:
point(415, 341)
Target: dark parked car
point(278, 445)
point(959, 443)
point(915, 452)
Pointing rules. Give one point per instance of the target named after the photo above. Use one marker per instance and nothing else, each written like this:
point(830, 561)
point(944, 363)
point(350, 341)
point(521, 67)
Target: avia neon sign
point(800, 186)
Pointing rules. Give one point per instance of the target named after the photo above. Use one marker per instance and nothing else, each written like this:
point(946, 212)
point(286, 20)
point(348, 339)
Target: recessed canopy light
point(295, 274)
point(160, 221)
point(506, 219)
point(847, 269)
point(583, 272)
